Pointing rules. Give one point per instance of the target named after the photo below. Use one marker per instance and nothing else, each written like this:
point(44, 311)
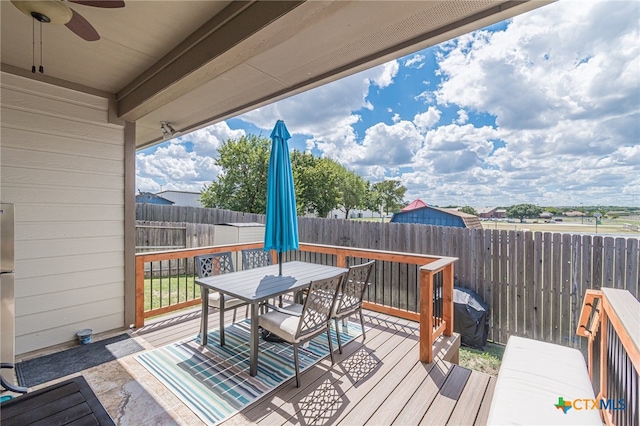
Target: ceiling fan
point(60, 13)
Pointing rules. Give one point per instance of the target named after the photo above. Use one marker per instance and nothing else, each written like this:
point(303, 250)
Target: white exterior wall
point(62, 165)
point(354, 213)
point(229, 234)
point(180, 198)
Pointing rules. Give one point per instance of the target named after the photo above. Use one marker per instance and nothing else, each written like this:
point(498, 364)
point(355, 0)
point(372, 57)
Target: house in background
point(486, 212)
point(416, 204)
point(182, 198)
point(353, 214)
point(435, 216)
point(574, 213)
point(491, 213)
point(149, 198)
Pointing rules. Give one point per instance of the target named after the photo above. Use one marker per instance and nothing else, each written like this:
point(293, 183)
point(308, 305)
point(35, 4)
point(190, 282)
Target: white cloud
point(384, 147)
point(548, 65)
point(563, 86)
point(207, 141)
point(326, 113)
point(427, 119)
point(390, 145)
point(387, 74)
point(452, 149)
point(463, 117)
point(416, 61)
point(172, 166)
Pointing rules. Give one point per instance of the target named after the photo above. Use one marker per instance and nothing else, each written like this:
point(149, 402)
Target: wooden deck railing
point(610, 320)
point(431, 287)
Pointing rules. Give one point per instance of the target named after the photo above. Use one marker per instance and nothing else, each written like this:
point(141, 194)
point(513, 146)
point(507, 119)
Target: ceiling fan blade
point(82, 27)
point(109, 4)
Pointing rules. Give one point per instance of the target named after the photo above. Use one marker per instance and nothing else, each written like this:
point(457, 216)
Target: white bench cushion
point(532, 377)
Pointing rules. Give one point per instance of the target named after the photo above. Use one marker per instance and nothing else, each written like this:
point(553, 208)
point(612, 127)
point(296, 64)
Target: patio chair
point(216, 264)
point(7, 385)
point(69, 402)
point(255, 258)
point(297, 324)
point(350, 296)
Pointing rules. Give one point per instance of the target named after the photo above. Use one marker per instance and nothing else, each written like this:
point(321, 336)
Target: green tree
point(373, 200)
point(321, 184)
point(469, 210)
point(354, 192)
point(317, 182)
point(389, 193)
point(522, 211)
point(301, 165)
point(553, 210)
point(326, 193)
point(242, 183)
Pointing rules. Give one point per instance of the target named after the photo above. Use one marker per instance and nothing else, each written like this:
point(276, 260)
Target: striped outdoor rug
point(215, 382)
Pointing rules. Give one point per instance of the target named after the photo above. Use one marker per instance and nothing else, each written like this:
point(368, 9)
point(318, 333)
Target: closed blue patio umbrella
point(281, 231)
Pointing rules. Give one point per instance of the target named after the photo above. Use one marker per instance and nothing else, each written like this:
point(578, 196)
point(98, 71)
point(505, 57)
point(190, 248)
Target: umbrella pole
point(280, 262)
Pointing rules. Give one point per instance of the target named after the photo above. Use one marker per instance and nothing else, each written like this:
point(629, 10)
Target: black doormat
point(53, 366)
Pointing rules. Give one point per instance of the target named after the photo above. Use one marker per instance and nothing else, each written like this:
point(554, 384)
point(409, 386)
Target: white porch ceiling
point(197, 62)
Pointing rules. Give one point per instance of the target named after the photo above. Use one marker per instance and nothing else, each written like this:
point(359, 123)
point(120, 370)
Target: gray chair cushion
point(282, 324)
point(229, 302)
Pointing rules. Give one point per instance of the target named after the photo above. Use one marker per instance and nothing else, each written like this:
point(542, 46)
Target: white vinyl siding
point(62, 165)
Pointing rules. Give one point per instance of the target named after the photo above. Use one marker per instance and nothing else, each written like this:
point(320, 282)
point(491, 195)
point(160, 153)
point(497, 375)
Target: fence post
point(426, 315)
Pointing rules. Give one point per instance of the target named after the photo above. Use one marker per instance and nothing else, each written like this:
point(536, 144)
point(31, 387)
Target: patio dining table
point(256, 286)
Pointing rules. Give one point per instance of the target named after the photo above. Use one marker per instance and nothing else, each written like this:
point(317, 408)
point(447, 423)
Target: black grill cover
point(470, 318)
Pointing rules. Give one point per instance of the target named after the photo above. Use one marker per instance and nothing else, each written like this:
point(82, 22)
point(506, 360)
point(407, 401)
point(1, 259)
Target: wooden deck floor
point(378, 382)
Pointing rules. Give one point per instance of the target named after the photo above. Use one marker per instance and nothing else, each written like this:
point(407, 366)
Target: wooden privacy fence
point(153, 236)
point(174, 214)
point(534, 282)
point(160, 235)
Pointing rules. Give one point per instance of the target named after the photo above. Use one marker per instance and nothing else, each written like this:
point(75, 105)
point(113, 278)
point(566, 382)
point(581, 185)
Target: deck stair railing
point(610, 320)
point(426, 281)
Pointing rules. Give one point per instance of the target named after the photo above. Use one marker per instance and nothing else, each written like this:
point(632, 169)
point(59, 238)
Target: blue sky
point(543, 108)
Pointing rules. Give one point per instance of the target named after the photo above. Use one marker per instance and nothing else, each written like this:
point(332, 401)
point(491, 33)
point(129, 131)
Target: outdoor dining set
point(322, 293)
point(326, 294)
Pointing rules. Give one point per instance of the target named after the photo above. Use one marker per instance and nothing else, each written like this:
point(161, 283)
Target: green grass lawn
point(163, 291)
point(487, 361)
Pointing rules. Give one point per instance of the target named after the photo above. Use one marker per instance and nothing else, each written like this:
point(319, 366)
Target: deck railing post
point(447, 306)
point(426, 315)
point(603, 354)
point(139, 317)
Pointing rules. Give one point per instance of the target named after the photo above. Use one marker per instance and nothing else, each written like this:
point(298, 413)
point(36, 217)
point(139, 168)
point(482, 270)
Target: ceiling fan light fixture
point(168, 132)
point(54, 12)
point(40, 17)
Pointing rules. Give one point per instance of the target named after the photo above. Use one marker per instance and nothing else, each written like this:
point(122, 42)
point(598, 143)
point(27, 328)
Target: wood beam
point(167, 79)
